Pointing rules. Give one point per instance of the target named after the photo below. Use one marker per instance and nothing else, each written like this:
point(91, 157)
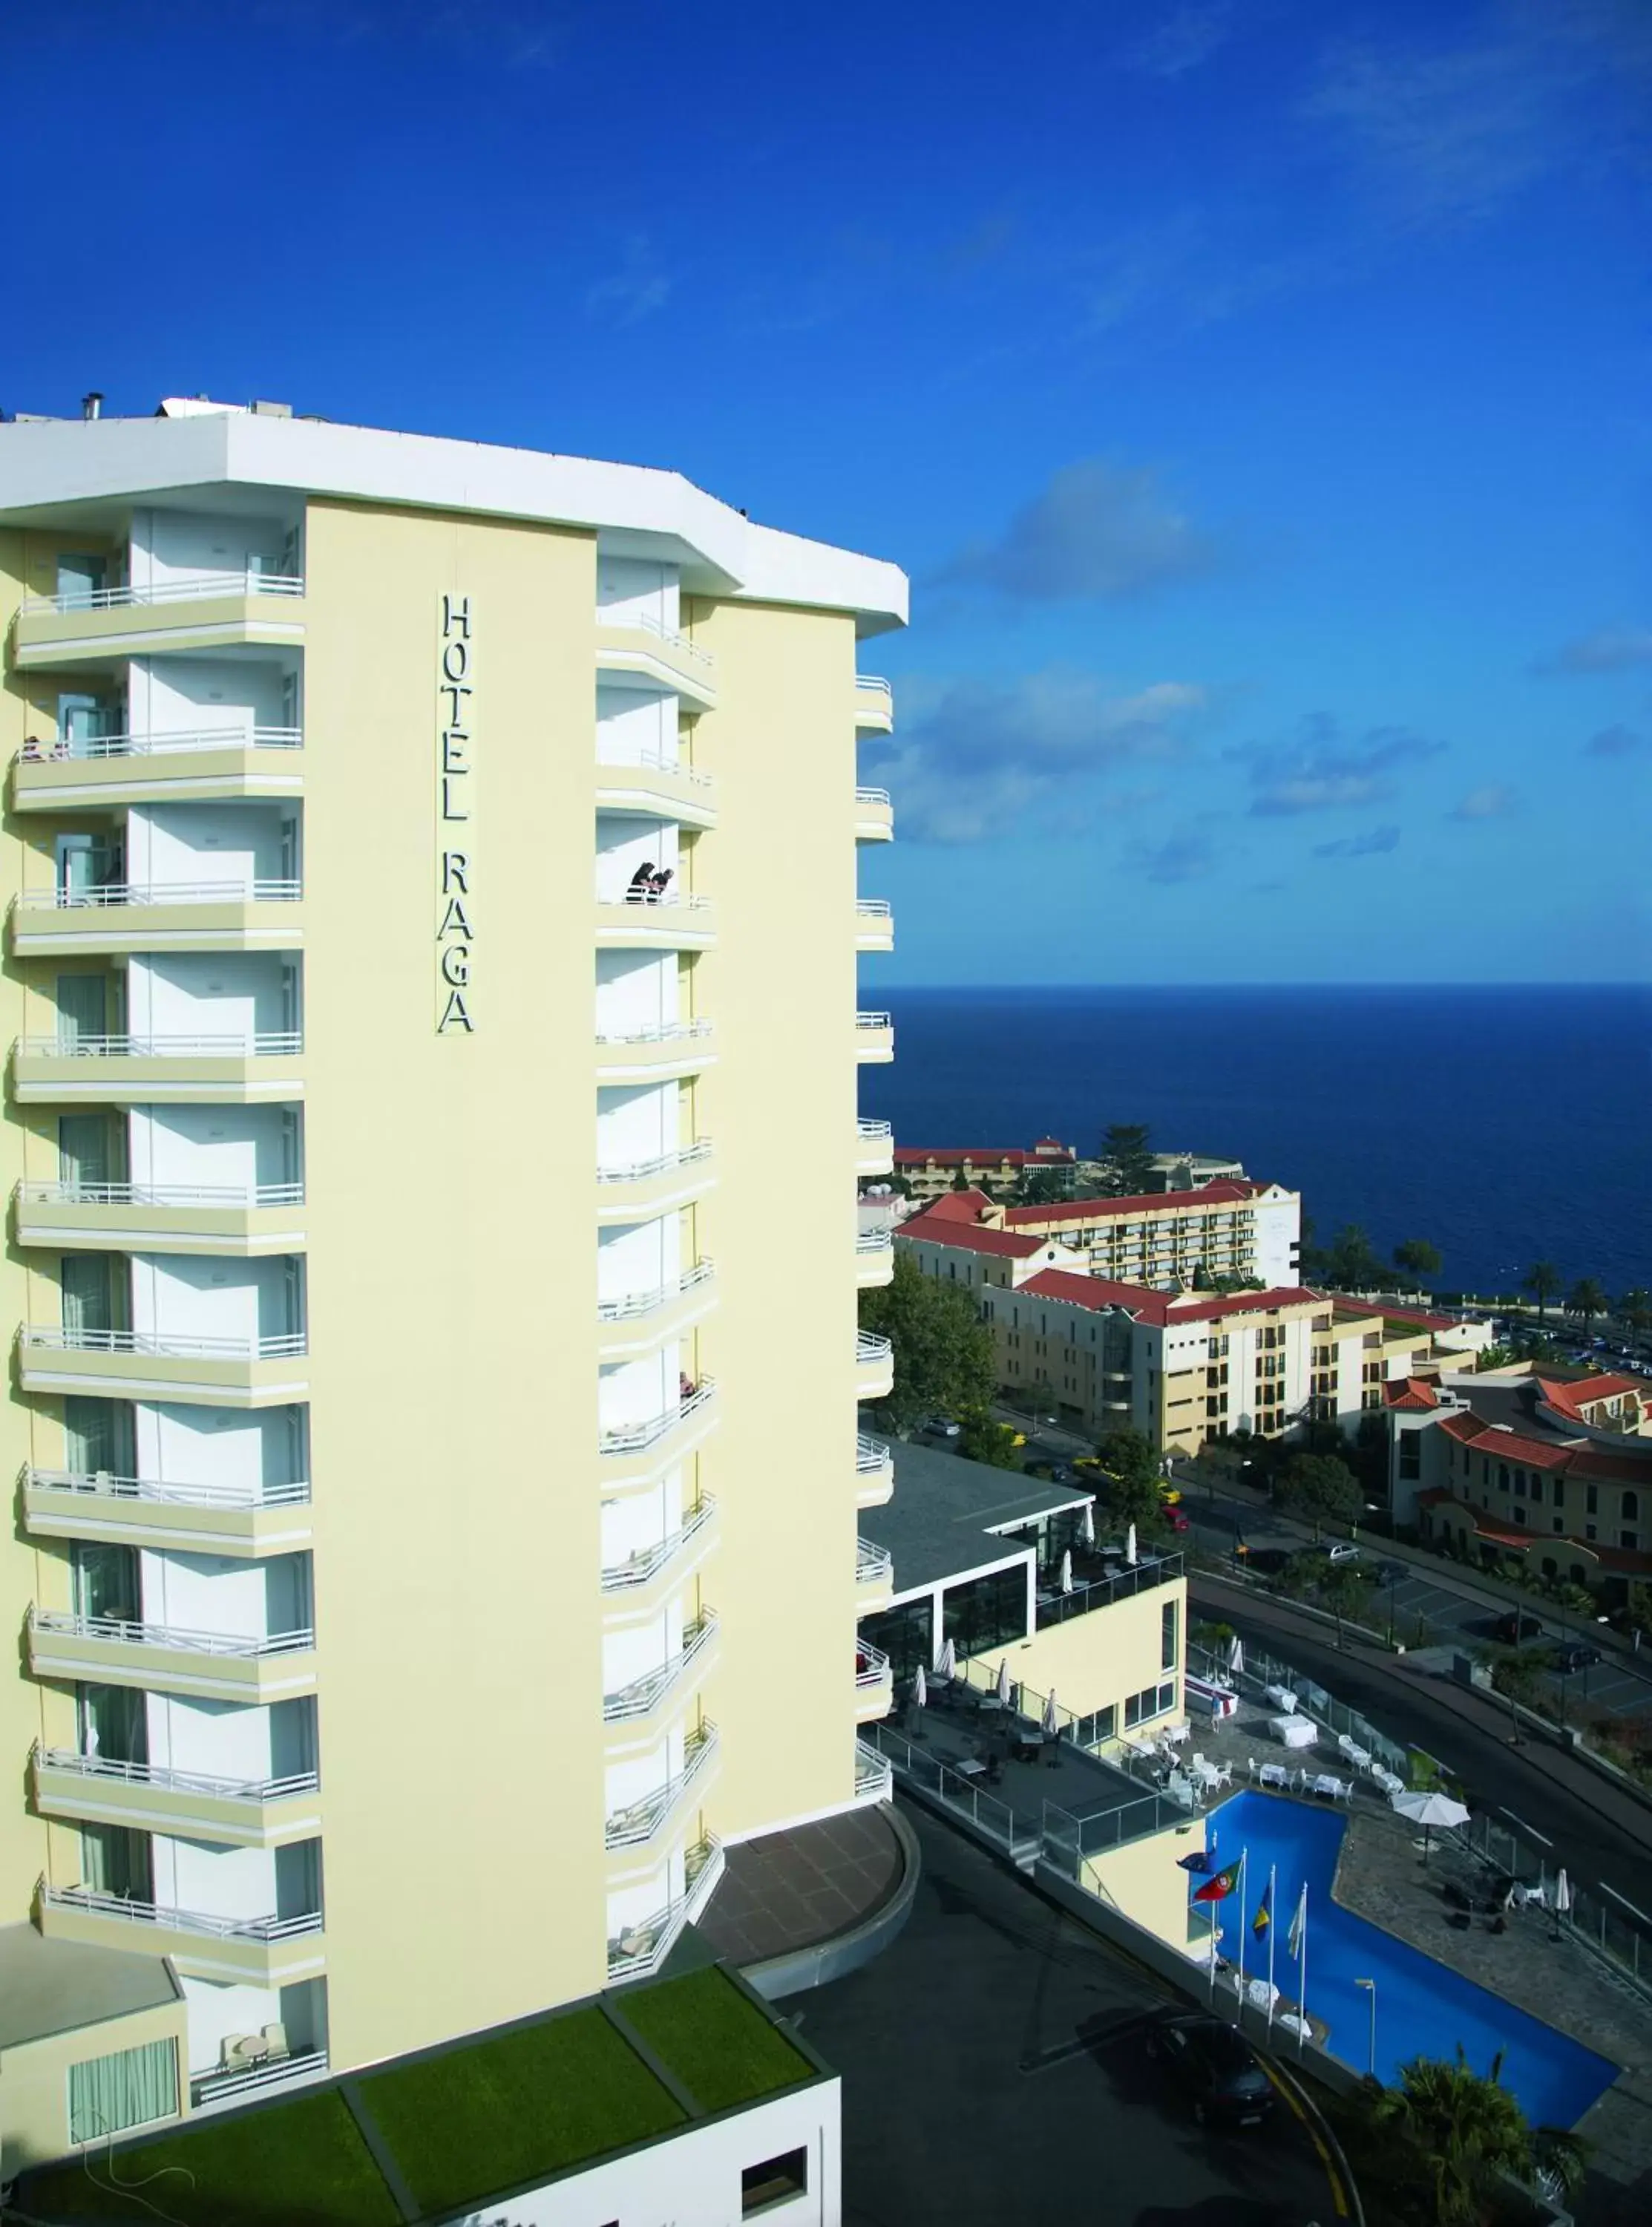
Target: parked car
point(1176, 1521)
point(1575, 1656)
point(1517, 1625)
point(942, 1427)
point(1340, 1550)
point(1215, 2068)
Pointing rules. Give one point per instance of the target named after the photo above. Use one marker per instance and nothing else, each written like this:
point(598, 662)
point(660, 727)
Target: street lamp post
point(1370, 1988)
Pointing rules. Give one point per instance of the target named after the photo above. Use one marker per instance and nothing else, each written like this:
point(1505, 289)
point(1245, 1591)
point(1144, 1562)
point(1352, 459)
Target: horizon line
point(1605, 983)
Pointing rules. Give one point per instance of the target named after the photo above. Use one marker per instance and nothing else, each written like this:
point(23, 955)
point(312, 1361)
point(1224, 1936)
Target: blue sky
point(1256, 391)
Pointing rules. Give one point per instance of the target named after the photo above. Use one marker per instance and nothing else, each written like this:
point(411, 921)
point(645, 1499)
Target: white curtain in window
point(132, 2088)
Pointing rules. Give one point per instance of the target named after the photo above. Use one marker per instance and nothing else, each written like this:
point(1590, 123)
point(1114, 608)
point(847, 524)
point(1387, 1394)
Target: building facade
point(929, 1171)
point(400, 1576)
point(1234, 1229)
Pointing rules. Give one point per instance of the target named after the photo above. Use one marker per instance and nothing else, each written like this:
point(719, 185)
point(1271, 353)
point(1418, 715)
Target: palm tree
point(1542, 1280)
point(1635, 1308)
point(1585, 1300)
point(1464, 2131)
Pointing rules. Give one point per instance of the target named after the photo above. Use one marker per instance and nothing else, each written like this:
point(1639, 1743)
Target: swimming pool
point(1423, 2009)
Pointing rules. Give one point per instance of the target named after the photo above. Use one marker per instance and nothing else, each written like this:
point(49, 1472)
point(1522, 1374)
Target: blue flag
point(1200, 1860)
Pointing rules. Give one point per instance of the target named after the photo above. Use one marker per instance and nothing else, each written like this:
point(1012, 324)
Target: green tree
point(982, 1440)
point(1046, 1186)
point(1418, 1258)
point(943, 1352)
point(1344, 1593)
point(1320, 1488)
point(1635, 1309)
point(1461, 2133)
point(1542, 1280)
point(1131, 1481)
point(1586, 1300)
point(1127, 1160)
point(1639, 1608)
point(1352, 1262)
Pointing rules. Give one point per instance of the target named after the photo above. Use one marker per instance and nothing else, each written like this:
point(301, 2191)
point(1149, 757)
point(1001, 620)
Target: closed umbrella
point(1429, 1809)
point(1050, 1727)
point(1235, 1655)
point(1067, 1570)
point(920, 1689)
point(1003, 1688)
point(1086, 1524)
point(1562, 1899)
point(946, 1661)
point(1130, 1544)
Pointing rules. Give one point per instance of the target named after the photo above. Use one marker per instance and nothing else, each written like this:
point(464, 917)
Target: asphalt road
point(994, 2071)
point(1600, 1833)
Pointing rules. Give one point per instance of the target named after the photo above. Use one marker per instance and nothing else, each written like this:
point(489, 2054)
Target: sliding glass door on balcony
point(90, 1151)
point(115, 1860)
point(107, 1583)
point(99, 1435)
point(114, 1723)
point(94, 1294)
point(83, 1007)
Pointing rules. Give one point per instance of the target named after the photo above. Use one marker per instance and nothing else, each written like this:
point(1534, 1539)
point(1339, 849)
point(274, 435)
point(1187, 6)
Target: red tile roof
point(956, 1206)
point(970, 1237)
point(1423, 1319)
point(1162, 1309)
point(1412, 1395)
point(982, 1156)
point(1225, 1193)
point(1572, 1397)
point(1576, 1456)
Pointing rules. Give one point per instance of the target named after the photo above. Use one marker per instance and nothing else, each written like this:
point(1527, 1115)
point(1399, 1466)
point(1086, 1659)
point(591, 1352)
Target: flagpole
point(1243, 1854)
point(1215, 1926)
point(1302, 1977)
point(1271, 1927)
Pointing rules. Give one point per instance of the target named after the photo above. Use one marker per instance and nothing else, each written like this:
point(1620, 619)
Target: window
point(1631, 1507)
point(1153, 1702)
point(1411, 1454)
point(132, 2088)
point(1629, 1538)
point(906, 1635)
point(987, 1612)
point(774, 2181)
point(1167, 1637)
point(1099, 1726)
point(1591, 1501)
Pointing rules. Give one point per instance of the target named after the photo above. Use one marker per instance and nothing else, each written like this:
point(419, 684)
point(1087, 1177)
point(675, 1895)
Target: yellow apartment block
point(403, 1585)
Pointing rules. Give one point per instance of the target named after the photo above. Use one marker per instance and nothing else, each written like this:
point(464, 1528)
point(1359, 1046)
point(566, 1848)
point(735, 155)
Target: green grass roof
point(718, 2044)
point(298, 2164)
point(519, 2108)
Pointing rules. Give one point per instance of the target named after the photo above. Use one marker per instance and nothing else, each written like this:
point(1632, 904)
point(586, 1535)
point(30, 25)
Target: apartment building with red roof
point(931, 1170)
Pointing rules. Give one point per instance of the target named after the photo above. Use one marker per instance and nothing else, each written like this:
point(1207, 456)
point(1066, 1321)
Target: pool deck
point(1382, 1876)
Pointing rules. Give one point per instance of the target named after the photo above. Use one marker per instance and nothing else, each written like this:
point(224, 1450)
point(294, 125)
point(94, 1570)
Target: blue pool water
point(1423, 2009)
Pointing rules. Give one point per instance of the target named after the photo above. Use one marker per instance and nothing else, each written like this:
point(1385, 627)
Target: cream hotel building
point(427, 1557)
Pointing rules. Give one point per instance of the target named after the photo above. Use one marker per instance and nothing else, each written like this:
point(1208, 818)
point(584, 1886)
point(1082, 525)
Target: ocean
point(1506, 1124)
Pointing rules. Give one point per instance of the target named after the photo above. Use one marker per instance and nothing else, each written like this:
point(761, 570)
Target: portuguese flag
point(1219, 1888)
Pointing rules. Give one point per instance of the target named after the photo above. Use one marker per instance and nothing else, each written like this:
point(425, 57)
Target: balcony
point(874, 924)
point(874, 1472)
point(874, 1776)
point(874, 816)
point(639, 1950)
point(127, 917)
point(211, 1666)
point(874, 706)
point(874, 1682)
point(1112, 1582)
point(238, 1219)
point(874, 1039)
point(644, 1823)
point(875, 1257)
point(222, 2090)
point(638, 1454)
point(645, 650)
point(199, 610)
point(163, 1071)
point(874, 1366)
point(633, 1705)
point(657, 788)
point(235, 1372)
point(640, 1191)
point(266, 1952)
point(634, 1584)
point(642, 1320)
point(203, 1519)
point(679, 920)
point(107, 771)
point(874, 1148)
point(656, 1054)
point(251, 1813)
point(874, 1576)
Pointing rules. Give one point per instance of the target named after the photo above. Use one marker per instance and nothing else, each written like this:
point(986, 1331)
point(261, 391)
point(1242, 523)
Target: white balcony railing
point(98, 1904)
point(874, 909)
point(872, 1349)
point(185, 587)
point(875, 1133)
point(637, 1698)
point(165, 1780)
point(633, 1827)
point(660, 1033)
point(160, 1345)
point(253, 889)
point(247, 737)
point(68, 1624)
point(874, 1564)
point(106, 1484)
point(875, 796)
point(655, 900)
point(878, 1021)
point(678, 644)
point(871, 1666)
point(634, 1437)
point(873, 686)
point(871, 1455)
point(263, 1044)
point(662, 1163)
point(214, 2092)
point(636, 1304)
point(878, 1240)
point(657, 762)
point(874, 1774)
point(642, 1948)
point(162, 1194)
point(647, 1563)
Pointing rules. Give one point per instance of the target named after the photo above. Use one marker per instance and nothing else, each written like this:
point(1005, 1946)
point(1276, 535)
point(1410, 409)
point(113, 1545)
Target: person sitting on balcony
point(31, 749)
point(657, 884)
point(640, 883)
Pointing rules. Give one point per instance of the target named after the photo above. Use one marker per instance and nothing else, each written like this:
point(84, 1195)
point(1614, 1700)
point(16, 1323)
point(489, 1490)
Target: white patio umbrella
point(1050, 1727)
point(1003, 1688)
point(1429, 1809)
point(946, 1661)
point(920, 1689)
point(1130, 1544)
point(1235, 1654)
point(1086, 1526)
point(1067, 1570)
point(1562, 1894)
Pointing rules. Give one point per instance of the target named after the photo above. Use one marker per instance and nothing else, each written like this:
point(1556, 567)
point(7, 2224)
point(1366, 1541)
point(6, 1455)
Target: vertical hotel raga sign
point(455, 820)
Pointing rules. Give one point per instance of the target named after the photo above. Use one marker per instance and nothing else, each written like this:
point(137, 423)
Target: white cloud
point(1370, 846)
point(1097, 530)
point(1325, 770)
point(1184, 858)
point(1496, 801)
point(1607, 650)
